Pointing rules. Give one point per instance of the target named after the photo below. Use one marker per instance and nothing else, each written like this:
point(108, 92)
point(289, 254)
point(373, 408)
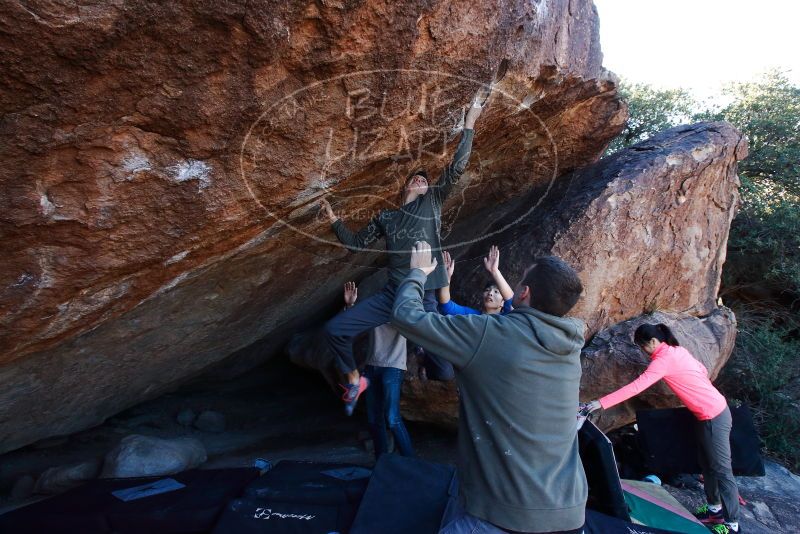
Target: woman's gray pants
point(714, 455)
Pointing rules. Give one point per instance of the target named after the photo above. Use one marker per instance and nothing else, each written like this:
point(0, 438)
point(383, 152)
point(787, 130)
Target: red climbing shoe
point(351, 394)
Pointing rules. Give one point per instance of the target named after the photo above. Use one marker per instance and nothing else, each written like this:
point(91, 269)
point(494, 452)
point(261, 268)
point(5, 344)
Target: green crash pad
point(653, 506)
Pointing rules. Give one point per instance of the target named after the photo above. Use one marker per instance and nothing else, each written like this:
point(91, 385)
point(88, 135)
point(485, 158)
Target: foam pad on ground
point(404, 495)
point(92, 508)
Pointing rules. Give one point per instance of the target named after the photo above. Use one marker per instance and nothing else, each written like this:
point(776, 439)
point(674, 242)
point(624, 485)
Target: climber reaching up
point(497, 295)
point(418, 218)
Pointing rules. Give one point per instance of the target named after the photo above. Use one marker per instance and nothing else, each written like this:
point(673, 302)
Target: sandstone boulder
point(145, 456)
point(162, 162)
point(59, 479)
point(186, 417)
point(645, 228)
point(210, 421)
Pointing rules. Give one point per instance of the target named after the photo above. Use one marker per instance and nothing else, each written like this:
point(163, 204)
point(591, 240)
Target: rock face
point(772, 500)
point(646, 229)
point(162, 161)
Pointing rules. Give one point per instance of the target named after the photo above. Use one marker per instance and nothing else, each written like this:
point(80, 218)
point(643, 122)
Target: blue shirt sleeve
point(507, 307)
point(451, 308)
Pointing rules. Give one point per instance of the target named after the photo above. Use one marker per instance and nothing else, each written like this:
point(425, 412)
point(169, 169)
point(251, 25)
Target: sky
point(699, 44)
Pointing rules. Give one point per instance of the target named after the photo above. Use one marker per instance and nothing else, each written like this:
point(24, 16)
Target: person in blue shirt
point(497, 295)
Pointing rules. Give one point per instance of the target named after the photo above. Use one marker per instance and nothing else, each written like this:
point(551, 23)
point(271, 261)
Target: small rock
point(59, 479)
point(141, 456)
point(23, 488)
point(186, 417)
point(210, 421)
point(141, 420)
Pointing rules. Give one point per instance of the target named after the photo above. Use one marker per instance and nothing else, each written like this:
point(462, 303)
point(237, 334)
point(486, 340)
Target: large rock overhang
point(161, 162)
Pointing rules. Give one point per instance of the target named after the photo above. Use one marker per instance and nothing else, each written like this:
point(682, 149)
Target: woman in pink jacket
point(688, 379)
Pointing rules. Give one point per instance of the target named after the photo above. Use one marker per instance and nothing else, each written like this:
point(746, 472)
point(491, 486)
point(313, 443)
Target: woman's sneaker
point(707, 517)
point(725, 529)
point(351, 394)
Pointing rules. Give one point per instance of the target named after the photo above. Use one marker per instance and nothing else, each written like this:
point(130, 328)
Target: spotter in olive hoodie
point(518, 375)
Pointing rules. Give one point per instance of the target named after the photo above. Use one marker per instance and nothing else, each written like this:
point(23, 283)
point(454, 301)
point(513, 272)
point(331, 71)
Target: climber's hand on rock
point(475, 108)
point(422, 258)
point(325, 206)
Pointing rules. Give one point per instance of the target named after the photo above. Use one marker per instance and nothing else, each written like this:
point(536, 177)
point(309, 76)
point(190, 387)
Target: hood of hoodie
point(559, 335)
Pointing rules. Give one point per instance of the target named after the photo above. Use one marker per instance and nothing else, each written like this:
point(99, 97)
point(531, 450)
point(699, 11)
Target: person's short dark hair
point(660, 331)
point(555, 286)
point(489, 284)
point(421, 172)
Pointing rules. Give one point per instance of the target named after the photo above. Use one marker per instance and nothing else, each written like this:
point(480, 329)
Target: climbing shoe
point(707, 517)
point(351, 394)
point(724, 529)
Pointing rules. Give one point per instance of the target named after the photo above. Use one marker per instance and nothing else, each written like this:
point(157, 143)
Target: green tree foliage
point(766, 233)
point(650, 111)
point(761, 372)
point(762, 272)
point(764, 243)
point(767, 110)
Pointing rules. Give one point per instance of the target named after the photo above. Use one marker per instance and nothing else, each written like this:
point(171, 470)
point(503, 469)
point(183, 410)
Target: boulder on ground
point(210, 421)
point(646, 228)
point(59, 479)
point(186, 417)
point(612, 360)
point(775, 499)
point(144, 456)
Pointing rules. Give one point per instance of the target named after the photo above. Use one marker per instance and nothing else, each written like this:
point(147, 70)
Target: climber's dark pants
point(369, 313)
